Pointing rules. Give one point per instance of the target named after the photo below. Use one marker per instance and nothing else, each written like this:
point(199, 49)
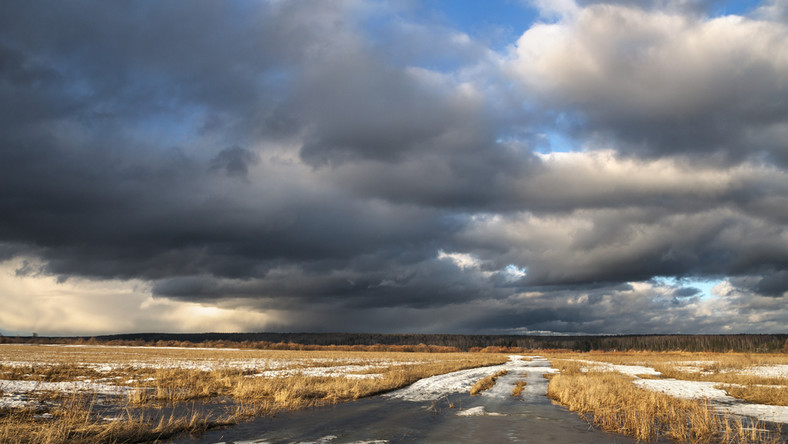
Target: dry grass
point(229, 374)
point(758, 394)
point(735, 370)
point(76, 421)
point(728, 368)
point(518, 388)
point(486, 383)
point(612, 402)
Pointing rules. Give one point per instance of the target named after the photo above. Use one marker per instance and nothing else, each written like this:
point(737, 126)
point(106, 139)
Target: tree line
point(751, 343)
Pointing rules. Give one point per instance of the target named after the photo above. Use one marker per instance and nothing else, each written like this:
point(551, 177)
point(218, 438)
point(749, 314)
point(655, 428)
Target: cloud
point(663, 82)
point(315, 166)
point(42, 305)
point(234, 161)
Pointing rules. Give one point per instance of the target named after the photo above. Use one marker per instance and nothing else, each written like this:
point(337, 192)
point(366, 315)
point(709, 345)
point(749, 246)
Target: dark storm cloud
point(310, 157)
point(234, 161)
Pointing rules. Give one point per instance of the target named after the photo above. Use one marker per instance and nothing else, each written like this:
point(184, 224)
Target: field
point(687, 397)
point(59, 394)
point(93, 393)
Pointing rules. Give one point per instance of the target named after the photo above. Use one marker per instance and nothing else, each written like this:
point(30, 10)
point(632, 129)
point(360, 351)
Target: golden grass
point(758, 394)
point(729, 368)
point(518, 388)
point(76, 421)
point(612, 402)
point(486, 383)
point(734, 370)
point(229, 375)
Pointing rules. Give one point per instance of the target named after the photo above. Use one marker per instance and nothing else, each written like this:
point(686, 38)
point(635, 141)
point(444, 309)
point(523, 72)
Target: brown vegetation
point(76, 421)
point(736, 372)
point(486, 383)
point(518, 388)
point(74, 418)
point(758, 394)
point(610, 401)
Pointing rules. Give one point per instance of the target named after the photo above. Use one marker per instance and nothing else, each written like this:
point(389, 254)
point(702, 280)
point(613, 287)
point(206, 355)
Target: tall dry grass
point(518, 389)
point(74, 418)
point(487, 383)
point(736, 372)
point(758, 394)
point(610, 401)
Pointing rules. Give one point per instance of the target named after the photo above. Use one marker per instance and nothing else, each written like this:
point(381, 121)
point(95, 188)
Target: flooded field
point(97, 393)
point(436, 410)
point(100, 394)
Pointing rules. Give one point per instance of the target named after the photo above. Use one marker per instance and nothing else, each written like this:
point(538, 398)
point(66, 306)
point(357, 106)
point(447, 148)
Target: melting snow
point(478, 411)
point(767, 371)
point(707, 390)
point(14, 390)
point(631, 370)
point(71, 386)
point(436, 387)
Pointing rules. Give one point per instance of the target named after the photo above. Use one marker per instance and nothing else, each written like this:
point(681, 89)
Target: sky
point(435, 166)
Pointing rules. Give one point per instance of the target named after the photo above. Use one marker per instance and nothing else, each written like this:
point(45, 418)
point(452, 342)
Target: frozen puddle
point(436, 410)
point(718, 398)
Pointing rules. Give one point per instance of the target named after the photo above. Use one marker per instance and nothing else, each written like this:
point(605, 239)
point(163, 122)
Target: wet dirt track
point(494, 417)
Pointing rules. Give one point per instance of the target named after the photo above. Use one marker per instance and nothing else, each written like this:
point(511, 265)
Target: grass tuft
point(486, 383)
point(518, 389)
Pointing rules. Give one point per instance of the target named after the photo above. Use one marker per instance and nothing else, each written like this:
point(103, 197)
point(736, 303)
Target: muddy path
point(434, 410)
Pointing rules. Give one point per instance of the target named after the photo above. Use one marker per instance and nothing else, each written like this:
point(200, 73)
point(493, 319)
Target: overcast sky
point(368, 166)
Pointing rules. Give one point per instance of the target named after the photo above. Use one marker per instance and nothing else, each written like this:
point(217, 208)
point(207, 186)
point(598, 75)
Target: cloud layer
point(357, 166)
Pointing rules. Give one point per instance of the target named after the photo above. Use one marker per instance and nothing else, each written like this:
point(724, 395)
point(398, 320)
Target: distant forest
point(774, 343)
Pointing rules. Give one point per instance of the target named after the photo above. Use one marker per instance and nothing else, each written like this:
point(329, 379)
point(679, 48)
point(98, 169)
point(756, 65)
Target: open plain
point(94, 393)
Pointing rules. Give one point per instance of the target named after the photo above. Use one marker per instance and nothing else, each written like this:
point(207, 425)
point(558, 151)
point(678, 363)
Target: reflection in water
point(493, 417)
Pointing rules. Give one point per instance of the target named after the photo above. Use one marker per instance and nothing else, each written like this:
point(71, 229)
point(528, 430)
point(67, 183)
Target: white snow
point(15, 400)
point(685, 389)
point(478, 411)
point(767, 371)
point(439, 386)
point(708, 390)
point(631, 370)
point(436, 387)
point(14, 392)
point(260, 365)
point(773, 413)
point(347, 371)
point(719, 399)
point(9, 386)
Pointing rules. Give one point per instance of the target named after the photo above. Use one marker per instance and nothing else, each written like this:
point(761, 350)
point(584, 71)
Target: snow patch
point(346, 371)
point(440, 386)
point(478, 411)
point(721, 401)
point(767, 371)
point(631, 370)
point(685, 389)
point(70, 386)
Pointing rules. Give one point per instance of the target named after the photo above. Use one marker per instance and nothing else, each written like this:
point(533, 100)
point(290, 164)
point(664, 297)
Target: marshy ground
point(136, 394)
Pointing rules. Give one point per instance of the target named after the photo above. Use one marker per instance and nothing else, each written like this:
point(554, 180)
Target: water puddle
point(446, 417)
